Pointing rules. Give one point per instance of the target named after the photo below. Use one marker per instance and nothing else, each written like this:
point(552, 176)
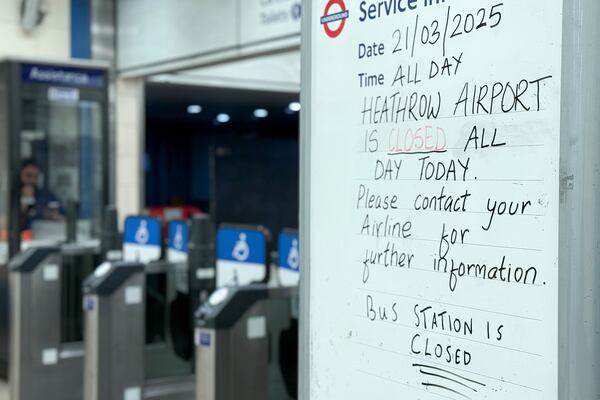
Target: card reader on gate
point(226, 305)
point(108, 277)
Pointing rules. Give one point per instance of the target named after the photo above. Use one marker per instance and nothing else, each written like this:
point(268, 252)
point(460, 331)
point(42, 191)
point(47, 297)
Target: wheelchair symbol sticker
point(241, 250)
point(142, 235)
point(293, 258)
point(178, 239)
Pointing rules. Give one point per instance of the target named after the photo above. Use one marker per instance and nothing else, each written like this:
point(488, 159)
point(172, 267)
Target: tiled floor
point(3, 391)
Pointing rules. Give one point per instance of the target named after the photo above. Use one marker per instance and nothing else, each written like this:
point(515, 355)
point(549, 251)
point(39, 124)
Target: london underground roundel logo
point(334, 22)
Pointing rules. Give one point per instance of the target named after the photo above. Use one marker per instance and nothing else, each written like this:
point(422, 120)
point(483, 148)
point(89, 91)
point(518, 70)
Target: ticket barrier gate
point(46, 319)
point(247, 335)
point(118, 360)
point(246, 344)
point(113, 308)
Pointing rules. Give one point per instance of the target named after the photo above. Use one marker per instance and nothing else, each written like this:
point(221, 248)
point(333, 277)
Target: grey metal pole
point(201, 257)
point(110, 238)
point(71, 217)
point(579, 255)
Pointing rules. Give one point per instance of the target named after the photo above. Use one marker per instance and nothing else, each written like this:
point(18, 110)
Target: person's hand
point(53, 215)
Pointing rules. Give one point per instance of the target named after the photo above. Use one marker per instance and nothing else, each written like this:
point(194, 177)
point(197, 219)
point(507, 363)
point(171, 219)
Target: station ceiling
point(170, 102)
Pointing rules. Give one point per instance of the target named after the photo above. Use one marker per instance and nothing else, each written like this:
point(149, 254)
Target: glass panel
point(61, 149)
point(156, 308)
point(169, 332)
point(61, 152)
point(74, 270)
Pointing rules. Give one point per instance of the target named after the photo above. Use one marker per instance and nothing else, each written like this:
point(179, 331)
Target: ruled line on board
point(402, 383)
point(447, 149)
point(466, 212)
point(508, 180)
point(412, 121)
point(415, 357)
point(462, 244)
point(502, 247)
point(429, 270)
point(399, 238)
point(400, 325)
point(463, 276)
point(449, 304)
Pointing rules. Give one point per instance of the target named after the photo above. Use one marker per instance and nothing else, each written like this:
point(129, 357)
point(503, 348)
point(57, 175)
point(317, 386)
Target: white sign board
point(434, 194)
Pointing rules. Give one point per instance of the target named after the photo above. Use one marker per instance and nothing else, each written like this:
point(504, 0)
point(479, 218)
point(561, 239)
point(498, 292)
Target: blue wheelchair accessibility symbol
point(142, 239)
point(178, 236)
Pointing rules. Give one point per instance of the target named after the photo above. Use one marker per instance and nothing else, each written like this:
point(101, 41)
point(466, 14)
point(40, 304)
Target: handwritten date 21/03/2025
point(439, 32)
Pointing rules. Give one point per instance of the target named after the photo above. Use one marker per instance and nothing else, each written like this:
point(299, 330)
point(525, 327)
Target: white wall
point(275, 72)
point(151, 31)
point(129, 126)
point(51, 40)
point(157, 34)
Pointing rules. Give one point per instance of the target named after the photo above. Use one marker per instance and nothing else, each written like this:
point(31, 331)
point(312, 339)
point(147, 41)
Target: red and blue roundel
point(329, 18)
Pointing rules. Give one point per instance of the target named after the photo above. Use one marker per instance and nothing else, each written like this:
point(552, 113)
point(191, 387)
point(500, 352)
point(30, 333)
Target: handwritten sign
point(434, 148)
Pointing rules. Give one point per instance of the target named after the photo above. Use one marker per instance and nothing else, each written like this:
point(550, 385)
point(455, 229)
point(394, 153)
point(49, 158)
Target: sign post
point(446, 138)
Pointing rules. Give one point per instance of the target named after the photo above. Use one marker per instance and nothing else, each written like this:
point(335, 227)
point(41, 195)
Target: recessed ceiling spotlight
point(294, 106)
point(261, 113)
point(223, 118)
point(194, 109)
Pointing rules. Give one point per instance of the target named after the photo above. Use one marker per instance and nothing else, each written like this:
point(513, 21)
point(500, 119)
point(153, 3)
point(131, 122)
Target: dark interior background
point(245, 171)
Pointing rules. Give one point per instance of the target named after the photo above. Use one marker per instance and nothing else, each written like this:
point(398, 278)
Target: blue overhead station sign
point(178, 241)
point(142, 239)
point(289, 258)
point(241, 256)
point(63, 76)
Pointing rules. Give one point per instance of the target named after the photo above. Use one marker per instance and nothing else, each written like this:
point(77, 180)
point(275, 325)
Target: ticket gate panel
point(4, 320)
point(162, 306)
point(237, 343)
point(115, 331)
point(91, 348)
point(114, 374)
point(230, 366)
point(37, 350)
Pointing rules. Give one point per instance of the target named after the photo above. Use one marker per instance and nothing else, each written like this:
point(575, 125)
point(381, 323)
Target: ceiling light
point(194, 109)
point(223, 118)
point(294, 106)
point(261, 113)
